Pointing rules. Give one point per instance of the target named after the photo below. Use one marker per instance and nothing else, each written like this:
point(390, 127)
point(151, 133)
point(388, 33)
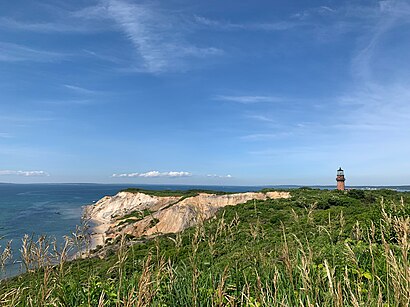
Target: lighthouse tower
point(340, 178)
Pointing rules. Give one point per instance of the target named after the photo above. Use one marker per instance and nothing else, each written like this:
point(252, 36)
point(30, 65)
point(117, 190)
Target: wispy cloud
point(5, 135)
point(24, 119)
point(80, 90)
point(256, 26)
point(314, 12)
point(69, 26)
point(158, 38)
point(390, 15)
point(398, 9)
point(64, 102)
point(377, 104)
point(378, 107)
point(249, 99)
point(266, 136)
point(261, 118)
point(24, 173)
point(154, 174)
point(380, 100)
point(103, 57)
point(10, 52)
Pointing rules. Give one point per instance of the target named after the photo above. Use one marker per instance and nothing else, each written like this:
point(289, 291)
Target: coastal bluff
point(143, 214)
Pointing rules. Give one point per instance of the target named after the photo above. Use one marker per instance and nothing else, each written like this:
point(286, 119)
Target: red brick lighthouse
point(340, 178)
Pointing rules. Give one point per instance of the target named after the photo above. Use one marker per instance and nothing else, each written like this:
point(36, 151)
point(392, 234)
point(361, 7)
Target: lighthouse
point(340, 178)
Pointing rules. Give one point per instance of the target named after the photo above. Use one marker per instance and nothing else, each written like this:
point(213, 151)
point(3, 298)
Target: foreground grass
point(319, 248)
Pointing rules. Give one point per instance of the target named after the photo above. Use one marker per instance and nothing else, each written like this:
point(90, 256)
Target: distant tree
point(355, 193)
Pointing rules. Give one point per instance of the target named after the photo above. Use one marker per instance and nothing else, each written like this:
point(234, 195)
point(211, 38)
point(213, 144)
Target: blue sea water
point(56, 209)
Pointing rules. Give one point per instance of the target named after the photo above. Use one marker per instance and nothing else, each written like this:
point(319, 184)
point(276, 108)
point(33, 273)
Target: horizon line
point(216, 185)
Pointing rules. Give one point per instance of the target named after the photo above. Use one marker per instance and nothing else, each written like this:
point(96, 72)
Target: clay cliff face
point(139, 214)
point(110, 208)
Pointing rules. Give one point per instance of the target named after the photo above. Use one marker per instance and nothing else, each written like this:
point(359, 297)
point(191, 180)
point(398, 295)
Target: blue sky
point(205, 92)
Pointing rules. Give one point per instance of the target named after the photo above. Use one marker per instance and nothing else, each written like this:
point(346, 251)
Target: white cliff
point(115, 215)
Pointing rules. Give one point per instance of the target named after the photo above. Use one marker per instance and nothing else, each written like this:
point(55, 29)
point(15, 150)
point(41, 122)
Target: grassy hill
point(318, 248)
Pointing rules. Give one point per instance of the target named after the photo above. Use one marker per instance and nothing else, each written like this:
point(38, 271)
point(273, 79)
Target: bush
point(357, 194)
point(263, 253)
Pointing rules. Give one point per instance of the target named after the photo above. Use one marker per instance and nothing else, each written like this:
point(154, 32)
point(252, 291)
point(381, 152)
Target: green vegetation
point(133, 217)
point(318, 248)
point(137, 214)
point(153, 222)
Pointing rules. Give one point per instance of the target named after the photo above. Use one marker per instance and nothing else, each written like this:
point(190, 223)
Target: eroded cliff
point(139, 214)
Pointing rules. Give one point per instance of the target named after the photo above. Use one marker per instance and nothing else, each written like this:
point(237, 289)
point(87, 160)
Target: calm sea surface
point(56, 209)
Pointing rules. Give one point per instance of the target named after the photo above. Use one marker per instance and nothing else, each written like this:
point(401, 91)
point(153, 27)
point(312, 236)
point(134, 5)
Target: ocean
point(56, 209)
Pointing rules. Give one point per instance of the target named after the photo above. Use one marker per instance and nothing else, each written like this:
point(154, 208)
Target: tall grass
point(309, 257)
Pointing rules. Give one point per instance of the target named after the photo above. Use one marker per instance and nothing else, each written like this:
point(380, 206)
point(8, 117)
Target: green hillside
point(318, 248)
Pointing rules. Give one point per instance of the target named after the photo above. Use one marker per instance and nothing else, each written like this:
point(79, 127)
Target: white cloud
point(24, 173)
point(395, 8)
point(120, 175)
point(314, 12)
point(249, 99)
point(178, 174)
point(219, 176)
point(261, 118)
point(10, 52)
point(103, 57)
point(257, 26)
point(157, 36)
point(326, 9)
point(80, 90)
point(154, 174)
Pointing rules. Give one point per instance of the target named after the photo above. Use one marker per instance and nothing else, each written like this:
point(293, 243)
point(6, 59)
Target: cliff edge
point(139, 214)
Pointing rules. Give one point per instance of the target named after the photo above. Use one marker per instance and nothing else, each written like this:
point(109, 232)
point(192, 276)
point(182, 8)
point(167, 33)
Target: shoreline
point(97, 233)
